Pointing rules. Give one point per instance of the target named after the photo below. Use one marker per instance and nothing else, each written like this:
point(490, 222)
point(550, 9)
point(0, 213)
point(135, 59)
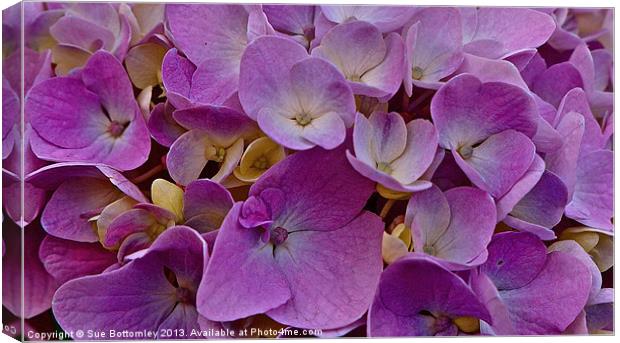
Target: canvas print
point(193, 171)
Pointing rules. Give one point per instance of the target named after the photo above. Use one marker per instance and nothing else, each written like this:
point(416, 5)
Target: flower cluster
point(353, 170)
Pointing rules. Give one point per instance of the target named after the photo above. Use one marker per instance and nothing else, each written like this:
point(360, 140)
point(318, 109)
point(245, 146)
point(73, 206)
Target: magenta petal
point(465, 111)
point(262, 81)
point(332, 273)
point(449, 226)
point(500, 31)
point(225, 296)
point(331, 173)
point(563, 162)
point(556, 81)
point(149, 297)
point(541, 208)
point(386, 18)
point(414, 285)
point(71, 207)
point(177, 72)
point(435, 46)
point(499, 162)
point(164, 129)
point(592, 200)
point(506, 203)
point(542, 298)
point(205, 204)
point(67, 260)
point(186, 158)
point(38, 287)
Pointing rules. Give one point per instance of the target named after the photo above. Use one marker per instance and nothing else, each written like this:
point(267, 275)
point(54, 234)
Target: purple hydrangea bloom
point(213, 37)
point(371, 64)
point(214, 135)
point(84, 29)
point(80, 194)
point(91, 118)
point(418, 297)
point(299, 101)
point(303, 258)
point(528, 291)
point(158, 289)
point(433, 47)
point(498, 32)
point(487, 126)
point(454, 227)
point(393, 153)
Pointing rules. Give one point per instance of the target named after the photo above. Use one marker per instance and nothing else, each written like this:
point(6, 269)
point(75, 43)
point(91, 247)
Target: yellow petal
point(603, 253)
point(258, 157)
point(169, 196)
point(391, 194)
point(392, 248)
point(144, 100)
point(148, 15)
point(467, 324)
point(67, 58)
point(143, 64)
point(109, 213)
point(587, 239)
point(403, 233)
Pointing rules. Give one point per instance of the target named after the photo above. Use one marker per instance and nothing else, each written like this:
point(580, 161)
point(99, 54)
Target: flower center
point(417, 73)
point(384, 167)
point(216, 154)
point(466, 151)
point(429, 250)
point(261, 163)
point(115, 129)
point(303, 119)
point(184, 295)
point(278, 235)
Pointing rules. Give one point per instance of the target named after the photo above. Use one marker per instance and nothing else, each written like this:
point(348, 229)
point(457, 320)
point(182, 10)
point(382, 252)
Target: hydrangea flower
point(84, 29)
point(80, 194)
point(91, 118)
point(416, 296)
point(372, 64)
point(454, 227)
point(433, 47)
point(299, 101)
point(158, 289)
point(487, 126)
point(212, 136)
point(202, 206)
point(303, 258)
point(528, 291)
point(393, 153)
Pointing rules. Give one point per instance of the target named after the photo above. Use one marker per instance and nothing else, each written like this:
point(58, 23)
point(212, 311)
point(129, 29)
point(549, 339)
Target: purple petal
point(466, 111)
point(499, 162)
point(416, 284)
point(66, 260)
point(148, 296)
point(225, 296)
point(330, 173)
point(317, 263)
point(205, 204)
point(592, 200)
point(500, 31)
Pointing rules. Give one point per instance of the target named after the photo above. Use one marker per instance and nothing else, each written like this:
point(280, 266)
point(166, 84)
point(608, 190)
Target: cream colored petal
point(392, 248)
point(110, 212)
point(68, 57)
point(143, 64)
point(169, 196)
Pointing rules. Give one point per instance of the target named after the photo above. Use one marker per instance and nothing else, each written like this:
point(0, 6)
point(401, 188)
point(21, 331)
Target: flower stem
point(148, 174)
point(386, 208)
